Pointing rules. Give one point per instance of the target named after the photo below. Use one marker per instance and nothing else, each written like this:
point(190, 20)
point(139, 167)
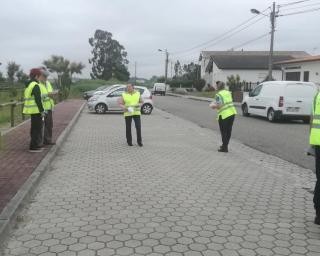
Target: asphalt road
point(287, 139)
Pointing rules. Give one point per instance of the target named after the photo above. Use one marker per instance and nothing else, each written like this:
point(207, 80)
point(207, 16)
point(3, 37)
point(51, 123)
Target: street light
point(273, 16)
point(166, 65)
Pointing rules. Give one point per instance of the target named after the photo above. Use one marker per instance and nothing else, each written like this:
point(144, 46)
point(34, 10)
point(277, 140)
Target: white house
point(251, 66)
point(305, 69)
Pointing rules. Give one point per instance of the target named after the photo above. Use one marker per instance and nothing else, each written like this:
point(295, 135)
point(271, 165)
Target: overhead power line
point(300, 7)
point(293, 3)
point(218, 37)
point(304, 11)
point(227, 36)
point(250, 41)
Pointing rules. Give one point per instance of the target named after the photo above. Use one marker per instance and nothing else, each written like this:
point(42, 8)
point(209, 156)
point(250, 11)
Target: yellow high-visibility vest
point(30, 107)
point(44, 96)
point(50, 89)
point(132, 100)
point(228, 108)
point(315, 125)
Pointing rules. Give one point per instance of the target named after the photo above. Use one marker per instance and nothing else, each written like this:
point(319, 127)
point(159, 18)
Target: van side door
point(255, 104)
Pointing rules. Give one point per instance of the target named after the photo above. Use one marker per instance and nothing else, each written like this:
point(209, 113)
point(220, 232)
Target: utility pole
point(272, 20)
point(171, 68)
point(166, 69)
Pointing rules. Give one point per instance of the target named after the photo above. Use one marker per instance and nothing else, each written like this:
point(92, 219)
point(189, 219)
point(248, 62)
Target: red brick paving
point(16, 163)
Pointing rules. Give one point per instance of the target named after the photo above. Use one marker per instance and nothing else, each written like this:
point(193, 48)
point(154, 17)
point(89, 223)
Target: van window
point(300, 91)
point(256, 91)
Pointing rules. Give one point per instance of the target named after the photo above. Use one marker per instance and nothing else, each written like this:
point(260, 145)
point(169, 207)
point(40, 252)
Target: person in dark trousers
point(131, 103)
point(33, 106)
point(48, 104)
point(314, 141)
point(226, 114)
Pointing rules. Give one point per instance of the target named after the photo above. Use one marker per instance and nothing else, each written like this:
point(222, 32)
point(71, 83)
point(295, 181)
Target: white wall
point(312, 67)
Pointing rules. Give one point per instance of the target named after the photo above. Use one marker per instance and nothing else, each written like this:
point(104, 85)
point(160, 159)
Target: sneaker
point(130, 144)
point(35, 150)
point(223, 149)
point(140, 144)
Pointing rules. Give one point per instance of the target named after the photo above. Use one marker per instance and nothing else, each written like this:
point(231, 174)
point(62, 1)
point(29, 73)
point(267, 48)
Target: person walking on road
point(315, 141)
point(48, 103)
point(226, 114)
point(33, 106)
point(131, 103)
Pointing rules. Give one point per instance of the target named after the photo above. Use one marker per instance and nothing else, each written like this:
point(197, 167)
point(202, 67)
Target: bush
point(180, 83)
point(199, 84)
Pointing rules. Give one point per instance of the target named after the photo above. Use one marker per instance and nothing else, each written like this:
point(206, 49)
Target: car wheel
point(146, 109)
point(245, 111)
point(271, 115)
point(306, 120)
point(101, 108)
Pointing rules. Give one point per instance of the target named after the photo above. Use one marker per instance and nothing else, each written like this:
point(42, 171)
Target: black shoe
point(35, 150)
point(49, 143)
point(130, 144)
point(223, 149)
point(140, 144)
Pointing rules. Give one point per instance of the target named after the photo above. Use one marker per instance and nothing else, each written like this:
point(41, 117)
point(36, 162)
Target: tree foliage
point(109, 58)
point(64, 70)
point(12, 69)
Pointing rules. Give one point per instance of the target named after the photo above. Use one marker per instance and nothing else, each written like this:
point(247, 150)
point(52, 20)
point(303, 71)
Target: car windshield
point(102, 87)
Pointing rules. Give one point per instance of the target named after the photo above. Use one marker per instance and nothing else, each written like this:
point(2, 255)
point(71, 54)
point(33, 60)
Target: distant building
point(251, 66)
point(305, 69)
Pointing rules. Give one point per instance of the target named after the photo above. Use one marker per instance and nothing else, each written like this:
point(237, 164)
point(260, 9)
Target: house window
point(293, 76)
point(306, 76)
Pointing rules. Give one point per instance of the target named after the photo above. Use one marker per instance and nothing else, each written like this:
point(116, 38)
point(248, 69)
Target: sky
point(31, 31)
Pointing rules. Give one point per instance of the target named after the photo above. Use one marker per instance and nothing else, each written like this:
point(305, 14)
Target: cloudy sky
point(31, 31)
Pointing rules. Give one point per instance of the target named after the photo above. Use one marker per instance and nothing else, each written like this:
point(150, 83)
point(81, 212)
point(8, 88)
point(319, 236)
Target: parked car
point(108, 101)
point(159, 88)
point(88, 94)
point(111, 87)
point(281, 99)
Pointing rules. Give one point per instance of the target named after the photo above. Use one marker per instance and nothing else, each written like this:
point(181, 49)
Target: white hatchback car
point(108, 101)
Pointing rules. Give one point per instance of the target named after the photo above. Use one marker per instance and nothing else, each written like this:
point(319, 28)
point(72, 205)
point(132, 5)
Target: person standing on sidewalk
point(130, 103)
point(33, 106)
point(48, 103)
point(315, 141)
point(226, 114)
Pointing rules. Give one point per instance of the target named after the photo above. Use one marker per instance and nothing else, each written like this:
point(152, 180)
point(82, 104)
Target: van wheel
point(271, 115)
point(101, 108)
point(245, 111)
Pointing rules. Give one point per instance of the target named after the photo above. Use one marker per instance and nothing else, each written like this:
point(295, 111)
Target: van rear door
point(298, 98)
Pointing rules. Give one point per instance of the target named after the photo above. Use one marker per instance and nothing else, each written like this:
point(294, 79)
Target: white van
point(159, 88)
point(281, 99)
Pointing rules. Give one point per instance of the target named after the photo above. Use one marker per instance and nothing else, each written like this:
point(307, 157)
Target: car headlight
point(93, 99)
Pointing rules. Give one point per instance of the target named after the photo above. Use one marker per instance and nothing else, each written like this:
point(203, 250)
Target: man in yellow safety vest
point(226, 114)
point(33, 106)
point(131, 103)
point(47, 95)
point(315, 141)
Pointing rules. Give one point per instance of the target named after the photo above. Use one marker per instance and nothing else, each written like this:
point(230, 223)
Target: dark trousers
point(48, 124)
point(36, 131)
point(226, 129)
point(137, 122)
point(316, 197)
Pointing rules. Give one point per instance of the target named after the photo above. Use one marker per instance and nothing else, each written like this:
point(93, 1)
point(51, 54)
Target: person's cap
point(35, 72)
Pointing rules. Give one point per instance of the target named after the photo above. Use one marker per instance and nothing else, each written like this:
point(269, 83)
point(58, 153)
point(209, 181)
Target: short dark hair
point(34, 73)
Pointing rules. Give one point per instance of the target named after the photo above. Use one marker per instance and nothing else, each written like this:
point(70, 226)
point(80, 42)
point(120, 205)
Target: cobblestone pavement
point(175, 196)
point(16, 163)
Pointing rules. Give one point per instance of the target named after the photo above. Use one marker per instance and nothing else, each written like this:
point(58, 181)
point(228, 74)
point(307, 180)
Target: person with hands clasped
point(131, 102)
point(226, 114)
point(33, 106)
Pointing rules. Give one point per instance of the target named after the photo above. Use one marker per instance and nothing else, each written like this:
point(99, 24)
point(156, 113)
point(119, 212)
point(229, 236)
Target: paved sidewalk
point(16, 163)
point(174, 196)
